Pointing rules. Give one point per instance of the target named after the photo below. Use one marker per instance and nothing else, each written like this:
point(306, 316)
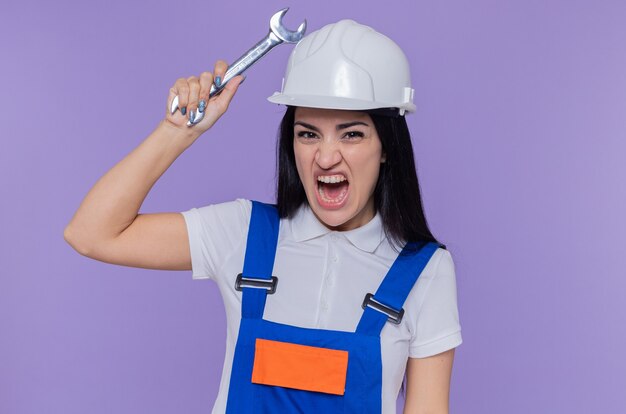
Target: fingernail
point(183, 110)
point(202, 106)
point(218, 81)
point(244, 79)
point(192, 116)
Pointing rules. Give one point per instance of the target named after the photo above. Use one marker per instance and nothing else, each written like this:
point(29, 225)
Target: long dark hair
point(397, 194)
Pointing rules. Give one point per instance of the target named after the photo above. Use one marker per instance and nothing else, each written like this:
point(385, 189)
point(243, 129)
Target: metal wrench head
point(276, 26)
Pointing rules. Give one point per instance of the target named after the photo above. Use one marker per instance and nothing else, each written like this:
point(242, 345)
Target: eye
point(307, 135)
point(353, 135)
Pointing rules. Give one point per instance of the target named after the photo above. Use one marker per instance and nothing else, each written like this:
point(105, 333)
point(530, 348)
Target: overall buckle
point(268, 285)
point(393, 315)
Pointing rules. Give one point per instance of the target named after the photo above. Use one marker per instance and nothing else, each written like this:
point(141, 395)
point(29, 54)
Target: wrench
point(278, 34)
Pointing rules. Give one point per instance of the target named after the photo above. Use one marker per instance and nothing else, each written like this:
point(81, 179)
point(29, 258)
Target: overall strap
point(259, 260)
point(388, 300)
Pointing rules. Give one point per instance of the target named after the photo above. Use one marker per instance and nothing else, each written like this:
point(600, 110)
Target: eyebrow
point(339, 126)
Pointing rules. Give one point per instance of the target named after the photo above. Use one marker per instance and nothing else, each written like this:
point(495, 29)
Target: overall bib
point(279, 368)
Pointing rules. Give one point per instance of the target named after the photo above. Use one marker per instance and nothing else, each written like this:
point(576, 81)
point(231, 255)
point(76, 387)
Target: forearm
point(114, 201)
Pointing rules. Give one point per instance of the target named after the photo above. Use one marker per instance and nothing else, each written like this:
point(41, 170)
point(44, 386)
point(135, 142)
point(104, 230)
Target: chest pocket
point(300, 367)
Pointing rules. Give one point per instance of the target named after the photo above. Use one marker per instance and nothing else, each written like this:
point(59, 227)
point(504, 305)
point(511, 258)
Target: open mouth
point(332, 190)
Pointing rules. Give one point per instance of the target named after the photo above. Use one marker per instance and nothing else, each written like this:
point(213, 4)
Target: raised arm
point(108, 227)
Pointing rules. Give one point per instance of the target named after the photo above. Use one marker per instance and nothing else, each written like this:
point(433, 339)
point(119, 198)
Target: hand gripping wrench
point(278, 34)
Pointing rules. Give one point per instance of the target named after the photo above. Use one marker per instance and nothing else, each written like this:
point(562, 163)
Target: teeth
point(337, 200)
point(331, 179)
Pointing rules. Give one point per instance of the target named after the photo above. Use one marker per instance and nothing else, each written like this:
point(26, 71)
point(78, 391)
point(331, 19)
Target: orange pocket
point(300, 366)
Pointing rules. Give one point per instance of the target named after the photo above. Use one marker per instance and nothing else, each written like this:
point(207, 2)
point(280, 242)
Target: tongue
point(333, 191)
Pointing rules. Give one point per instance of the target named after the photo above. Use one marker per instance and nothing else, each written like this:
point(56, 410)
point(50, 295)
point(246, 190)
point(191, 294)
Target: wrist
point(184, 136)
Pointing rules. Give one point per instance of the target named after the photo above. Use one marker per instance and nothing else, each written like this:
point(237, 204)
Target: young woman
point(340, 291)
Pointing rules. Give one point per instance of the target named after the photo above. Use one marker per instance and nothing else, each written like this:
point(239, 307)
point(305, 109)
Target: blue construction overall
point(279, 368)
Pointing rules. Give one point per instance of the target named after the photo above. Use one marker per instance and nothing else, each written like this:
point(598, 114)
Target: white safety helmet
point(347, 65)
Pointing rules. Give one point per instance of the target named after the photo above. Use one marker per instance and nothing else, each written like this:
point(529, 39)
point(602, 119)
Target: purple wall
point(519, 138)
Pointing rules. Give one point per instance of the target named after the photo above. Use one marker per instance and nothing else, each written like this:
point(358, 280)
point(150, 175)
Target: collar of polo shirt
point(305, 226)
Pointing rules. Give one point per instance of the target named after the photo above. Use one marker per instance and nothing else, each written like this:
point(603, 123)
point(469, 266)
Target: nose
point(328, 154)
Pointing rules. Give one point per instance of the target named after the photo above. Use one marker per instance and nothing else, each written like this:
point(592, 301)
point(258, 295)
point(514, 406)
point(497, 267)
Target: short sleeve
point(438, 328)
point(215, 231)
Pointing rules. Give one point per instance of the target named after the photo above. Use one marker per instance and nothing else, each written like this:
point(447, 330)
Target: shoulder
point(240, 207)
point(440, 265)
point(228, 213)
point(435, 324)
point(215, 232)
point(436, 286)
point(221, 224)
point(443, 263)
point(438, 280)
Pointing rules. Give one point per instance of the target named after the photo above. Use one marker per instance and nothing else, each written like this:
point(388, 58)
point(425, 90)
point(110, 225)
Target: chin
point(332, 220)
point(335, 218)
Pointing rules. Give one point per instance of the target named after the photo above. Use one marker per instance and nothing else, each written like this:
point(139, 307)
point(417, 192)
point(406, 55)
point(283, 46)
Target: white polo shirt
point(323, 277)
